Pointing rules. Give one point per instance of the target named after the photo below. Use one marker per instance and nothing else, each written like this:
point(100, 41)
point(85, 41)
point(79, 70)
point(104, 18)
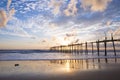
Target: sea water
point(46, 55)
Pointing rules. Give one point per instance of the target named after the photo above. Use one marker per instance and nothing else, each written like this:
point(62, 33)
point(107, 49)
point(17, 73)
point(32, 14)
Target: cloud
point(117, 32)
point(8, 4)
point(71, 8)
point(43, 41)
point(11, 13)
point(53, 25)
point(108, 23)
point(70, 34)
point(54, 38)
point(26, 6)
point(16, 28)
point(56, 6)
point(76, 41)
point(15, 32)
point(95, 5)
point(3, 18)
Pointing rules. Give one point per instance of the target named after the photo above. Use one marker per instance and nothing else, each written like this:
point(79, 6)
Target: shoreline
point(60, 70)
point(111, 57)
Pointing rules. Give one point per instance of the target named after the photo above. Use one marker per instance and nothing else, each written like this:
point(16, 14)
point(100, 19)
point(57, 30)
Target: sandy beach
point(60, 70)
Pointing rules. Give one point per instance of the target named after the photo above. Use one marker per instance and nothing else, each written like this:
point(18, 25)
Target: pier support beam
point(105, 44)
point(113, 47)
point(86, 48)
point(92, 51)
point(97, 42)
point(81, 48)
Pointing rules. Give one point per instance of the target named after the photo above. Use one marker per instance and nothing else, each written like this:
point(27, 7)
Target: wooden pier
point(89, 47)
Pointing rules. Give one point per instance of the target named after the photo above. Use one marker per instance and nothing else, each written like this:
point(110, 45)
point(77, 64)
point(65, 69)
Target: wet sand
point(60, 70)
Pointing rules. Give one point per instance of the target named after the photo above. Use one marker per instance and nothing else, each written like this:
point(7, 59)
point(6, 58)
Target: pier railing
point(105, 46)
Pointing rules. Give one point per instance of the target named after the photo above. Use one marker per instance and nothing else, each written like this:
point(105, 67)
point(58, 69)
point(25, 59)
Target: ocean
point(48, 55)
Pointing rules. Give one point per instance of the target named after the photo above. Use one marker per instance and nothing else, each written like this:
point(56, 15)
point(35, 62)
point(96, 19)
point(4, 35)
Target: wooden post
point(78, 48)
point(113, 46)
point(72, 48)
point(105, 44)
point(86, 49)
point(56, 49)
point(64, 49)
point(69, 48)
point(92, 48)
point(97, 42)
point(61, 50)
point(81, 50)
point(92, 51)
point(75, 49)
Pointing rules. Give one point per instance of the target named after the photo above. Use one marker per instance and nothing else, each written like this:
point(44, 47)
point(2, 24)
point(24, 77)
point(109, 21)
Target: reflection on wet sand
point(57, 69)
point(84, 64)
point(75, 64)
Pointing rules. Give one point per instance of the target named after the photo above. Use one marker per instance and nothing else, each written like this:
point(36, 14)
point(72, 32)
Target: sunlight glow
point(67, 66)
point(64, 42)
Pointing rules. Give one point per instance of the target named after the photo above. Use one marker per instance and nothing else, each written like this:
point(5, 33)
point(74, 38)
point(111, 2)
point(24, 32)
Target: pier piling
point(80, 48)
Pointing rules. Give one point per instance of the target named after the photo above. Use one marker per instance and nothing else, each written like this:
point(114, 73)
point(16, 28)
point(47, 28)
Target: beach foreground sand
point(60, 70)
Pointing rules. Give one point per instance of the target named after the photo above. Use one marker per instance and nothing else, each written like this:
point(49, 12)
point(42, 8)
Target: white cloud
point(8, 4)
point(15, 30)
point(31, 6)
point(95, 5)
point(56, 6)
point(11, 13)
point(3, 18)
point(71, 8)
point(108, 23)
point(39, 5)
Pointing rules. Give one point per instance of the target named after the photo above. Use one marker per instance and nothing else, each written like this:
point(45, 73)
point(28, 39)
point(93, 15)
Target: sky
point(41, 24)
